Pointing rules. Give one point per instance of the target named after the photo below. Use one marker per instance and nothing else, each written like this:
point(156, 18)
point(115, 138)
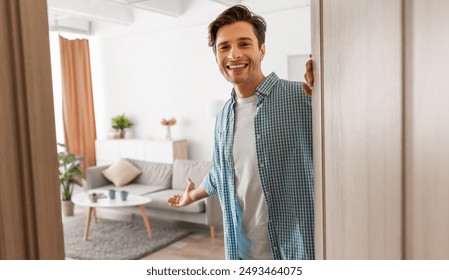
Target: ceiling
point(79, 16)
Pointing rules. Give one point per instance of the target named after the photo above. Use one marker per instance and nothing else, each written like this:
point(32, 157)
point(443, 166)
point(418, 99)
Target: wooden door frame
point(318, 129)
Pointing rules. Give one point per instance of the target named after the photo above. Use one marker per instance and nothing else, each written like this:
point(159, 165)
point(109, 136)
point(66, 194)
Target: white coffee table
point(82, 199)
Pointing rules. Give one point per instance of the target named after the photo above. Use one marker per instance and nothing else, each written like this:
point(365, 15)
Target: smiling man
point(239, 57)
point(262, 165)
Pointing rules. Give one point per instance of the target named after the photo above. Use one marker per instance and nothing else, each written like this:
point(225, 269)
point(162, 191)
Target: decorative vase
point(122, 134)
point(67, 207)
point(168, 133)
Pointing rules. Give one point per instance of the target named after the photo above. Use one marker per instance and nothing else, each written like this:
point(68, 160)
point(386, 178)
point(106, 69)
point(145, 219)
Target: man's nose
point(234, 54)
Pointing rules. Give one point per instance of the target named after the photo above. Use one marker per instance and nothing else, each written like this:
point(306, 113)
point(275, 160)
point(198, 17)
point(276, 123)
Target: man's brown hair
point(235, 14)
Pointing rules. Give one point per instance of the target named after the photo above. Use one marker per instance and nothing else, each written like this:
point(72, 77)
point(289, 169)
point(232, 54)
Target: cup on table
point(111, 194)
point(123, 195)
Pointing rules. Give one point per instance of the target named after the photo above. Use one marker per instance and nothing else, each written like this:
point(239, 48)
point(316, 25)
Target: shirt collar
point(264, 88)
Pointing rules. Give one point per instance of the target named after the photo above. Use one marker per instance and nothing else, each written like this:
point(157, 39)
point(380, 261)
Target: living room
point(159, 66)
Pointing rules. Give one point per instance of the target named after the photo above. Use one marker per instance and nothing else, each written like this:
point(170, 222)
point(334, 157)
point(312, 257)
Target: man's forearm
point(198, 193)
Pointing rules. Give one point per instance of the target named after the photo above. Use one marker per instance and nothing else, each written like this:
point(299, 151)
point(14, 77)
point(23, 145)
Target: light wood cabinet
point(109, 151)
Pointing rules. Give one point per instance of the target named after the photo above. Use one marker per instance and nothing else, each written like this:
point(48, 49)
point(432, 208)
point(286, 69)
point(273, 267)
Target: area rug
point(116, 240)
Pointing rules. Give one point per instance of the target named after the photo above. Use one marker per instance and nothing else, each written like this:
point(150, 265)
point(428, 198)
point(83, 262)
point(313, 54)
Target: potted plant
point(69, 176)
point(121, 122)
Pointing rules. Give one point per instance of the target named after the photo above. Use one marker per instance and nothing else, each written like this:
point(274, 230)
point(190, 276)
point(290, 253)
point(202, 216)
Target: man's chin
point(235, 80)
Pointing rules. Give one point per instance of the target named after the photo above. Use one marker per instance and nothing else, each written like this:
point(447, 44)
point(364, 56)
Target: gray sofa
point(160, 181)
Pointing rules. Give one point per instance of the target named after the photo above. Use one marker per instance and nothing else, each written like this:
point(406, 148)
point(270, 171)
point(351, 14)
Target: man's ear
point(262, 51)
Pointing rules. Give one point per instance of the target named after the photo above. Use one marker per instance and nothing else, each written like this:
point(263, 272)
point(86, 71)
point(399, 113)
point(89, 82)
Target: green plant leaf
point(121, 122)
point(70, 173)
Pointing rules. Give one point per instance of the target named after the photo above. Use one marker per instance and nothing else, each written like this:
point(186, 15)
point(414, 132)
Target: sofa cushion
point(160, 202)
point(136, 189)
point(153, 173)
point(121, 172)
point(183, 168)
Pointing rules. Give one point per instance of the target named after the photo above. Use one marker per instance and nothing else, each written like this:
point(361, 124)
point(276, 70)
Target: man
point(262, 165)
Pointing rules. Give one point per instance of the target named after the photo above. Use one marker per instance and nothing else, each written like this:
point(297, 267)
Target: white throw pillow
point(121, 172)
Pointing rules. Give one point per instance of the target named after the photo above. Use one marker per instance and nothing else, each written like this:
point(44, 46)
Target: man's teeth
point(236, 66)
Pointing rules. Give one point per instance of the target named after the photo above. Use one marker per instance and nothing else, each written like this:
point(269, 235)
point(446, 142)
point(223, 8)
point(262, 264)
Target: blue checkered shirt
point(283, 128)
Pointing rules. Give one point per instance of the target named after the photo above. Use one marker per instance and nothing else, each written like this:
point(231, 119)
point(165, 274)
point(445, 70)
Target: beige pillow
point(121, 172)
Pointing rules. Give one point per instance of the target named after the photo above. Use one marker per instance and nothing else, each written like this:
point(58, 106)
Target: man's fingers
point(309, 65)
point(174, 200)
point(181, 200)
point(308, 76)
point(190, 185)
point(307, 89)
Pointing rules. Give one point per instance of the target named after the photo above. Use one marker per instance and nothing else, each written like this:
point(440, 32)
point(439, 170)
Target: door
point(357, 128)
point(381, 129)
point(426, 129)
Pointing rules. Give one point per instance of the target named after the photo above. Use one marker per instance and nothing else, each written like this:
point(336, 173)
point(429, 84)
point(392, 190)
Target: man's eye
point(223, 48)
point(244, 44)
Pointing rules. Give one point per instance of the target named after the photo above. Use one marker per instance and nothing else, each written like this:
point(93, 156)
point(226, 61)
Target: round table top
point(103, 199)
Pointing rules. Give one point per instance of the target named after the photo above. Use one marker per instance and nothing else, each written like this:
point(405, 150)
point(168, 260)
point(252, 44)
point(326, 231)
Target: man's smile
point(236, 66)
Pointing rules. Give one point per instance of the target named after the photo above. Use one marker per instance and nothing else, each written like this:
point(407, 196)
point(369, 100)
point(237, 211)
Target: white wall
point(150, 72)
point(57, 85)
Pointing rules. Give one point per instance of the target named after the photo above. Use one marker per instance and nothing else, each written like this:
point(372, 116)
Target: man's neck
point(247, 90)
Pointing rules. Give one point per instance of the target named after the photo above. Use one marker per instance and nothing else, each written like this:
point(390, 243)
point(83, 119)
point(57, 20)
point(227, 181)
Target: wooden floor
point(196, 246)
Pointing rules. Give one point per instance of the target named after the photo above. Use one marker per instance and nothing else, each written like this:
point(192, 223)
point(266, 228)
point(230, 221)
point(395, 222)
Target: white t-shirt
point(247, 182)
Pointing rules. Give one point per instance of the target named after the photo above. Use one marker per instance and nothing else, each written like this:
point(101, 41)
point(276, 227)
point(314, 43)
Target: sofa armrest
point(95, 178)
point(214, 215)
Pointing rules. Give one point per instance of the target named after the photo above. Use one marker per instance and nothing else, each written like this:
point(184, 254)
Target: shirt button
point(258, 136)
point(262, 165)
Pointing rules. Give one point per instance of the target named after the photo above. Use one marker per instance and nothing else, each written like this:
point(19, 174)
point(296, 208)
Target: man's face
point(238, 55)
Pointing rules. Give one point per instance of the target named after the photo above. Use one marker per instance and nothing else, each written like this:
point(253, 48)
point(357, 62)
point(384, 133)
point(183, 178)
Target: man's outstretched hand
point(181, 200)
point(308, 77)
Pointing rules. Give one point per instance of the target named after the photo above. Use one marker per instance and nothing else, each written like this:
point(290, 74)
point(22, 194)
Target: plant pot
point(67, 207)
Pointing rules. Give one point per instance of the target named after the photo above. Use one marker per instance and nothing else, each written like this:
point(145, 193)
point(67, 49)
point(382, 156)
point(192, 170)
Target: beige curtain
point(78, 105)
